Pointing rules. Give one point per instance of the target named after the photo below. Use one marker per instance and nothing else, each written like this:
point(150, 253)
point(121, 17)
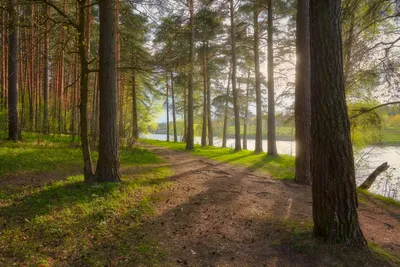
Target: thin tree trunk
point(84, 89)
point(246, 112)
point(332, 168)
point(167, 104)
point(234, 89)
point(13, 71)
point(302, 110)
point(46, 126)
point(184, 115)
point(204, 127)
point(2, 66)
point(225, 127)
point(272, 150)
point(173, 107)
point(108, 163)
point(135, 130)
point(372, 177)
point(190, 119)
point(258, 141)
point(210, 130)
point(31, 87)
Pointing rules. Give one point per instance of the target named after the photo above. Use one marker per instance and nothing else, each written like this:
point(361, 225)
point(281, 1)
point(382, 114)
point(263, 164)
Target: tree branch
point(376, 107)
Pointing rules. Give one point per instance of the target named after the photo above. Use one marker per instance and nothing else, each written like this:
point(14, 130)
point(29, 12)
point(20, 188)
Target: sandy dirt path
point(218, 214)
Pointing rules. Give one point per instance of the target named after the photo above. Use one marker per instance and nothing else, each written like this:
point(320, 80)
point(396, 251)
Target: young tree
point(334, 186)
point(108, 163)
point(302, 110)
point(13, 131)
point(190, 119)
point(256, 47)
point(272, 150)
point(225, 126)
point(234, 68)
point(173, 108)
point(46, 129)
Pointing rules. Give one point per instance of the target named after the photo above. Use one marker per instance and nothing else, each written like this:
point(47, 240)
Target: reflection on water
point(388, 184)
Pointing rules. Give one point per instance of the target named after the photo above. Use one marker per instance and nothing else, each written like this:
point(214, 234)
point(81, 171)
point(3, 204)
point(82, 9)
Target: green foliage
point(367, 128)
point(281, 167)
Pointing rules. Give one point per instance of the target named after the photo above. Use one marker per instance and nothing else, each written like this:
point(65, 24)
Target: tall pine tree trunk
point(234, 89)
point(46, 126)
point(258, 141)
point(190, 119)
point(12, 71)
point(2, 63)
point(332, 163)
point(108, 163)
point(271, 94)
point(302, 110)
point(84, 90)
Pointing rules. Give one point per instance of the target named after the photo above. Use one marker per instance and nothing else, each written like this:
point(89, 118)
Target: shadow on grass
point(60, 195)
point(206, 229)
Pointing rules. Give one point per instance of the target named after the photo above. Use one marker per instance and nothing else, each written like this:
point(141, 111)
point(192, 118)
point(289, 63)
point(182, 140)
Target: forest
point(200, 133)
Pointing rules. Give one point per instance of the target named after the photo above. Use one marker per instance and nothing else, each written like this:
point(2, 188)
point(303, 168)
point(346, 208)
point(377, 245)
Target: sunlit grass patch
point(77, 223)
point(279, 166)
point(71, 223)
point(365, 195)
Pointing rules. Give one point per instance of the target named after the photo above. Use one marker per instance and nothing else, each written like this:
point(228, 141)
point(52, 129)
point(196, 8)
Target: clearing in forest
point(173, 208)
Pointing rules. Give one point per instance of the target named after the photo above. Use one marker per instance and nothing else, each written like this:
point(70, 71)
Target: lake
point(366, 161)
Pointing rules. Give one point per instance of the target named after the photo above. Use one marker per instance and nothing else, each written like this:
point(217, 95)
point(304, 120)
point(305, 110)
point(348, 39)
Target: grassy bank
point(391, 136)
point(279, 167)
point(71, 223)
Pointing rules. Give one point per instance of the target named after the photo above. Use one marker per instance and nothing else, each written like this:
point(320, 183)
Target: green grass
point(282, 133)
point(365, 195)
point(279, 167)
point(71, 223)
point(54, 155)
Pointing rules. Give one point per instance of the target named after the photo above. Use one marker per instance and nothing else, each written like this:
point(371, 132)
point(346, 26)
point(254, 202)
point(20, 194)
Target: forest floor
point(173, 208)
point(219, 214)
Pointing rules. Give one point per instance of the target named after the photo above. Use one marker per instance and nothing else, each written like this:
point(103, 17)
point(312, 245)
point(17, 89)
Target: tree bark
point(46, 126)
point(258, 141)
point(84, 89)
point(12, 71)
point(108, 163)
point(173, 107)
point(190, 119)
point(210, 130)
point(332, 163)
point(234, 89)
point(3, 56)
point(372, 177)
point(272, 150)
point(246, 112)
point(204, 127)
point(135, 129)
point(167, 104)
point(302, 110)
point(184, 115)
point(225, 129)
